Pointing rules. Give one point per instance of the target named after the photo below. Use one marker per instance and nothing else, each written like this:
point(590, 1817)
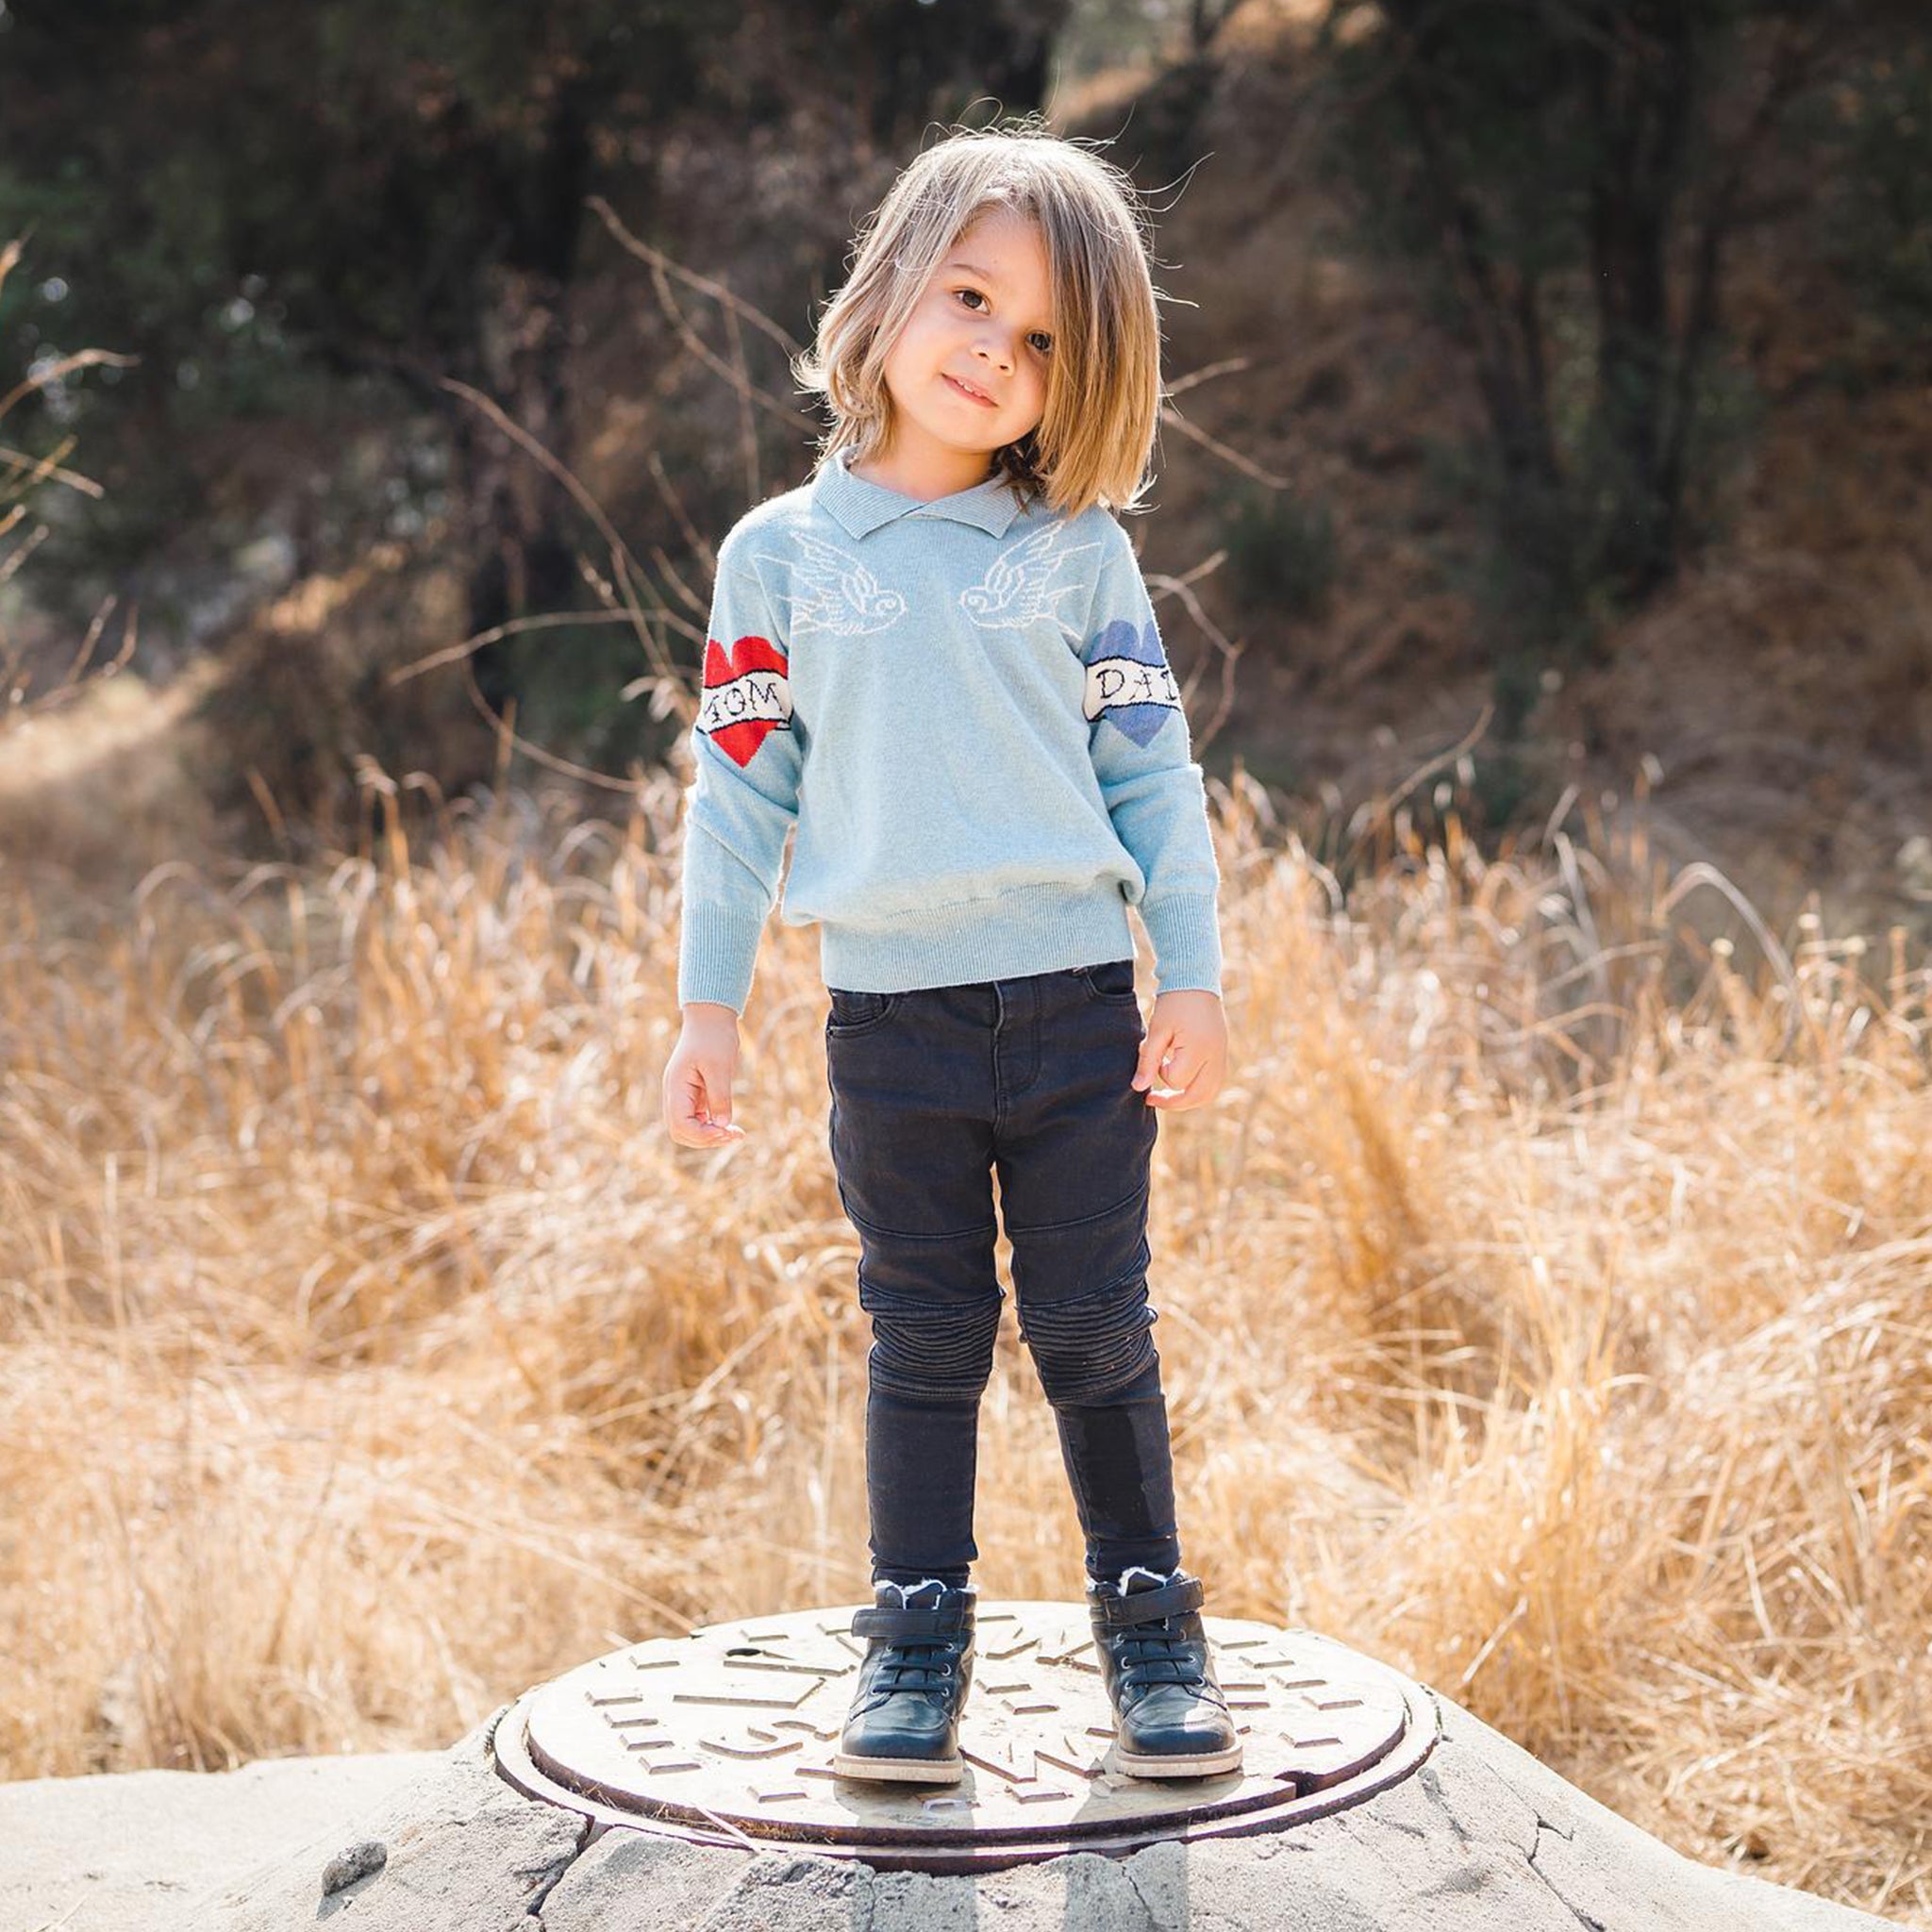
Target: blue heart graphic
point(1138, 721)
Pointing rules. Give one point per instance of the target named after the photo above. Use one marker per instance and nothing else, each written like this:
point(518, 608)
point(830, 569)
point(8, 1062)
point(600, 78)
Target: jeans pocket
point(1111, 983)
point(858, 1012)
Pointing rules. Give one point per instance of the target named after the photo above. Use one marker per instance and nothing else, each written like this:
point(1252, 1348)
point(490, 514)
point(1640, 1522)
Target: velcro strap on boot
point(884, 1621)
point(1170, 1599)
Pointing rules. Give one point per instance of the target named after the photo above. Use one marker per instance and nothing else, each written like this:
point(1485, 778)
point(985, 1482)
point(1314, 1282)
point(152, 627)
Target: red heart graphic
point(739, 739)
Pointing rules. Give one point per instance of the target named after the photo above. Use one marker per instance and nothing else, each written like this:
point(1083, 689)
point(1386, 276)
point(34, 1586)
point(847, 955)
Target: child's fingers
point(1156, 1066)
point(714, 1116)
point(1155, 1049)
point(1170, 1078)
point(699, 1120)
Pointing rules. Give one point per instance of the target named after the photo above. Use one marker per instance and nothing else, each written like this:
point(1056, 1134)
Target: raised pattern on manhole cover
point(727, 1736)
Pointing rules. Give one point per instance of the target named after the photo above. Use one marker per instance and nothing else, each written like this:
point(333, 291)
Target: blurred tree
point(1877, 132)
point(1576, 169)
point(395, 191)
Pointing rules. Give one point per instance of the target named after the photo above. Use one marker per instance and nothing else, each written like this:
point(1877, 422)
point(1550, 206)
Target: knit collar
point(863, 507)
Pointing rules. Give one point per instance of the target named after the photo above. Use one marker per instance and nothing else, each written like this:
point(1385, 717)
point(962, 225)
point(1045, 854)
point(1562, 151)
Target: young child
point(938, 659)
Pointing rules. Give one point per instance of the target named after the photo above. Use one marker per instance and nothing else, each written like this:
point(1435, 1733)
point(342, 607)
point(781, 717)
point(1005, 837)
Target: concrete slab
point(1482, 1836)
point(116, 1854)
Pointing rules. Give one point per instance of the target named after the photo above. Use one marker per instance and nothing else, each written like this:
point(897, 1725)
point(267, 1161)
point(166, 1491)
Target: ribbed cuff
point(1186, 936)
point(717, 955)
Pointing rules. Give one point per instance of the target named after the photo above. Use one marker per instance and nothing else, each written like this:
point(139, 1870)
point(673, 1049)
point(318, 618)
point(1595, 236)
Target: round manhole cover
point(726, 1736)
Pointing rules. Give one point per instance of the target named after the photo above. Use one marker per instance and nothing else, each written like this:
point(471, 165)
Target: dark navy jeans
point(932, 1090)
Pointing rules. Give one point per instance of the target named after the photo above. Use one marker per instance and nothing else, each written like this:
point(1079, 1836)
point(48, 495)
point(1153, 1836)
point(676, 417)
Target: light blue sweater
point(967, 711)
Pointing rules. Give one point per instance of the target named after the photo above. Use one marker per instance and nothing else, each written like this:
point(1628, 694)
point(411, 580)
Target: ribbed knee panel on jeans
point(927, 1351)
point(1086, 1348)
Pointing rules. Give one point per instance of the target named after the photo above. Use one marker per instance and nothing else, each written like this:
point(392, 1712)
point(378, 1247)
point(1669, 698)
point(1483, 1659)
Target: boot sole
point(1200, 1764)
point(911, 1771)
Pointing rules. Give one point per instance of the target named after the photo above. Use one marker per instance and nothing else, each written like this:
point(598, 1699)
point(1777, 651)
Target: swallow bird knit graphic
point(1027, 581)
point(833, 590)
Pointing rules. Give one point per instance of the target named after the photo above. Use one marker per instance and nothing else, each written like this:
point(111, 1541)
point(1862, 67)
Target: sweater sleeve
point(744, 798)
point(1138, 735)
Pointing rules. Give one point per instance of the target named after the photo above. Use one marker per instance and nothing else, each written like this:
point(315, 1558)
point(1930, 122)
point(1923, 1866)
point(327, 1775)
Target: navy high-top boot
point(1170, 1716)
point(904, 1724)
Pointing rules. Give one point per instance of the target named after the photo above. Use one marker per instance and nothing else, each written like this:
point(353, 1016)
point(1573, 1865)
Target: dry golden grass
point(1546, 1307)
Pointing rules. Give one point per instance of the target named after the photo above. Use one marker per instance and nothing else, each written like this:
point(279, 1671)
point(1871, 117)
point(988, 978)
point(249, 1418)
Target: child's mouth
point(972, 395)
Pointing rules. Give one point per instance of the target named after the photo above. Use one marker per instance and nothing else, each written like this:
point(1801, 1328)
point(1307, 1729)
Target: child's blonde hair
point(1103, 386)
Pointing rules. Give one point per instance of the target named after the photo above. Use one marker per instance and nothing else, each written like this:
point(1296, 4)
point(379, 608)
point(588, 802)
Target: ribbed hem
point(1031, 930)
point(716, 954)
point(1186, 935)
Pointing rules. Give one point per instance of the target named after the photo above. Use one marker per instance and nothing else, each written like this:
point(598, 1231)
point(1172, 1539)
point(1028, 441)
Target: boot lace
point(1157, 1651)
point(913, 1663)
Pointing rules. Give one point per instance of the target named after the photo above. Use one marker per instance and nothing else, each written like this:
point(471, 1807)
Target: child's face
point(985, 318)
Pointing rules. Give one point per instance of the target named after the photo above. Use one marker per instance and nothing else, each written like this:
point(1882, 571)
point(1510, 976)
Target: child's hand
point(1186, 1050)
point(697, 1078)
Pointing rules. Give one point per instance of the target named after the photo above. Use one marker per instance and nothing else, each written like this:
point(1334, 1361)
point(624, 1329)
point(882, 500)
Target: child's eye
point(1040, 338)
